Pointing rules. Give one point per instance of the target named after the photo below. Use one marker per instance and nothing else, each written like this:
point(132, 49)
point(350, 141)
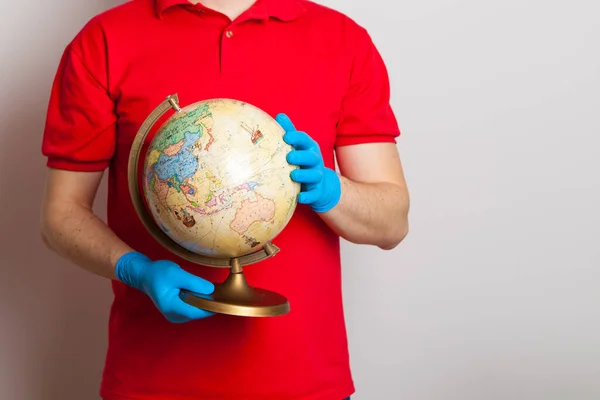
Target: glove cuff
point(332, 192)
point(127, 268)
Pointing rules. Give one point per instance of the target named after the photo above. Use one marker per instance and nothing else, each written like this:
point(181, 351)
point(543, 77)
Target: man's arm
point(374, 202)
point(368, 204)
point(70, 228)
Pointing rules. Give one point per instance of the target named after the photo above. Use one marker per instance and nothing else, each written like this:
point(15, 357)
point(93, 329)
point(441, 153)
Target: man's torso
point(199, 55)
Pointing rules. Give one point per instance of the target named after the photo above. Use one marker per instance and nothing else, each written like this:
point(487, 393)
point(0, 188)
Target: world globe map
point(216, 178)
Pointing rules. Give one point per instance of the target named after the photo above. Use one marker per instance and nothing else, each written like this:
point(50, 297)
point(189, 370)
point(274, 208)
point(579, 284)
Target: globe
point(216, 180)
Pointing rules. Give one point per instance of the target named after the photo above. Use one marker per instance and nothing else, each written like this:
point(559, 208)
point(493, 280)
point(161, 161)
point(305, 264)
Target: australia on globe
point(216, 178)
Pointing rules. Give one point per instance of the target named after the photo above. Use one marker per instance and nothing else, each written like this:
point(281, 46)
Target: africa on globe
point(216, 178)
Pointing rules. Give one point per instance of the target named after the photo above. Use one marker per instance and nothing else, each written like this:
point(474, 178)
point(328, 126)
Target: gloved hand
point(320, 186)
point(162, 281)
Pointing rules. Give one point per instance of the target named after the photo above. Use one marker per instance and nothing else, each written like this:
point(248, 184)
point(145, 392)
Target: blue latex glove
point(163, 281)
point(320, 186)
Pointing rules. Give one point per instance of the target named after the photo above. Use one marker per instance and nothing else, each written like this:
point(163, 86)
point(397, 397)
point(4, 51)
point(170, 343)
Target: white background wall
point(494, 294)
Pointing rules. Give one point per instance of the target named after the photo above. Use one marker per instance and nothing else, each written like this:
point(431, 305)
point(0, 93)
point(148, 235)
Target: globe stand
point(234, 296)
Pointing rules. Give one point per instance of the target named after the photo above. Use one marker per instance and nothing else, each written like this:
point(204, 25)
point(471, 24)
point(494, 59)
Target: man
point(319, 73)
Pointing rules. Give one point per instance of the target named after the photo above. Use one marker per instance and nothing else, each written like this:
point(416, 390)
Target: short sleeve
point(79, 133)
point(366, 115)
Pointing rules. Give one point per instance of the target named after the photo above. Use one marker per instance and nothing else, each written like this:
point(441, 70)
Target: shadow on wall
point(54, 315)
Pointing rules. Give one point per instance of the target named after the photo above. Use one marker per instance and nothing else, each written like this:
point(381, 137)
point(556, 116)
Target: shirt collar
point(285, 10)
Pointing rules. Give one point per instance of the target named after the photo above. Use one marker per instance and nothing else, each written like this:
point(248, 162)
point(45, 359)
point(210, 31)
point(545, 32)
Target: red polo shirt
point(290, 56)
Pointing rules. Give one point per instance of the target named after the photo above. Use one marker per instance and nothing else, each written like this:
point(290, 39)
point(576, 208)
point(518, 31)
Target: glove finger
point(300, 140)
point(307, 175)
point(183, 312)
point(310, 196)
point(285, 122)
point(193, 283)
point(176, 319)
point(303, 158)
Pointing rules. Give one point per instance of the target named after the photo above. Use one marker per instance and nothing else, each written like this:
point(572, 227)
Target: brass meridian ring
point(171, 102)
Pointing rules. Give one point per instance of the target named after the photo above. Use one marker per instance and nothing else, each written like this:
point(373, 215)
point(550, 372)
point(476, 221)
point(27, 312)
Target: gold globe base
point(236, 297)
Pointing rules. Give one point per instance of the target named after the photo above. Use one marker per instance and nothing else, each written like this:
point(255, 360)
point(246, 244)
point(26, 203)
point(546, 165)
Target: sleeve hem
point(364, 139)
point(77, 166)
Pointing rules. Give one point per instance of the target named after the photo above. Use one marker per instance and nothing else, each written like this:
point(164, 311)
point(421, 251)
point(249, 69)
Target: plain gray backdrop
point(494, 293)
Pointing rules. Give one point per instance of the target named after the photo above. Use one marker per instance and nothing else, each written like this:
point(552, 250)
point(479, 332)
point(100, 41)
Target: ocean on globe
point(216, 178)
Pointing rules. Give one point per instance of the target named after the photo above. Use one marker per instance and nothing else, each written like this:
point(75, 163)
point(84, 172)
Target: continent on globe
point(173, 149)
point(180, 165)
point(177, 127)
point(251, 211)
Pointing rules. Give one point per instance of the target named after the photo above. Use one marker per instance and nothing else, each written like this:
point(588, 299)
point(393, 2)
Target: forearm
point(370, 213)
point(78, 235)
